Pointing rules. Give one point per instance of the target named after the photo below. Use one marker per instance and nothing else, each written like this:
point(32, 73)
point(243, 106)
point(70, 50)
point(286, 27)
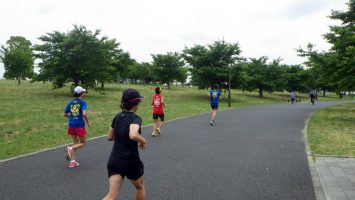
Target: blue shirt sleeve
point(67, 109)
point(84, 105)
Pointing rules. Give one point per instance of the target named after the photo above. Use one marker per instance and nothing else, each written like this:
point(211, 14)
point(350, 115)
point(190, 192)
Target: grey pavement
point(337, 176)
point(252, 153)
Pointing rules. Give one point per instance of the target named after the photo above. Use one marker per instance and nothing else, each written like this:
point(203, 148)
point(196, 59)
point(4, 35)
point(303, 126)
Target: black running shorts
point(133, 170)
point(214, 106)
point(156, 116)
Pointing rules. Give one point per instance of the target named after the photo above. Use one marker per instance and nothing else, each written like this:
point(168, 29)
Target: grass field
point(31, 115)
point(331, 131)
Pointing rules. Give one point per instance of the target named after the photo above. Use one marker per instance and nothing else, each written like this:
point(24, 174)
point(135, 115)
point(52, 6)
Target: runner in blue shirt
point(76, 112)
point(214, 95)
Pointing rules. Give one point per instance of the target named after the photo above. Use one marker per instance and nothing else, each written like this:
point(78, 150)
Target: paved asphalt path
point(252, 153)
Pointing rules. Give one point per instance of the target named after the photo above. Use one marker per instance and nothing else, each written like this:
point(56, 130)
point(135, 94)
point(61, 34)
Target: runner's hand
point(142, 145)
point(89, 125)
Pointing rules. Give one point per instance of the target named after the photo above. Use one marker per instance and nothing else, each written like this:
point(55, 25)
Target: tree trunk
point(260, 92)
point(102, 86)
point(229, 98)
point(168, 86)
point(229, 91)
point(323, 93)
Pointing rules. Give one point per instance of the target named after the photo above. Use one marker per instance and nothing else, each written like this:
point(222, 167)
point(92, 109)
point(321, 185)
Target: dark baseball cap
point(131, 95)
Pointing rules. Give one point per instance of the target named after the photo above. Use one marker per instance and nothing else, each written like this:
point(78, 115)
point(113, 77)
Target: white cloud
point(273, 28)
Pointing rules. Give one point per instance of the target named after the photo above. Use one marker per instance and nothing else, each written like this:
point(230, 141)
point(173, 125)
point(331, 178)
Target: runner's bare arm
point(135, 136)
point(111, 134)
point(66, 114)
point(86, 118)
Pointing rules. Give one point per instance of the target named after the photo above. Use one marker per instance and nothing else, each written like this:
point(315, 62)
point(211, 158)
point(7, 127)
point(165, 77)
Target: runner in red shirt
point(158, 111)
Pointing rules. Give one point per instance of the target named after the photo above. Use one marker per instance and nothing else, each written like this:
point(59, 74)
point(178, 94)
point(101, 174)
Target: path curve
point(251, 153)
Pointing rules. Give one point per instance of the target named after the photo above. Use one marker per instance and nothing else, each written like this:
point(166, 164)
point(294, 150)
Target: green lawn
point(31, 115)
point(331, 131)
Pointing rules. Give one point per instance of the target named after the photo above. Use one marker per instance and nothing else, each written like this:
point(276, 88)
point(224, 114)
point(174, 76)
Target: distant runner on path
point(76, 111)
point(313, 96)
point(214, 95)
point(158, 111)
point(124, 160)
point(293, 97)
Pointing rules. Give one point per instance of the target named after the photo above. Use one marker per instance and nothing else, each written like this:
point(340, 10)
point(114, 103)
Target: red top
point(157, 102)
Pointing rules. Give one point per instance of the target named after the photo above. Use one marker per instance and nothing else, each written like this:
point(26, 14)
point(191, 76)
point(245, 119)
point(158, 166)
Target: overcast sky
point(272, 28)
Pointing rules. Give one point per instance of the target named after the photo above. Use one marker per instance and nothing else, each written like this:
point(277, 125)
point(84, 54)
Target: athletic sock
point(72, 161)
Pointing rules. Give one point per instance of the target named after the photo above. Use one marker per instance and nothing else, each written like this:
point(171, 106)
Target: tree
point(265, 76)
point(319, 64)
point(123, 63)
point(168, 67)
point(334, 70)
point(142, 72)
point(214, 64)
point(342, 52)
point(236, 79)
point(80, 57)
point(211, 64)
point(17, 57)
point(182, 75)
point(298, 79)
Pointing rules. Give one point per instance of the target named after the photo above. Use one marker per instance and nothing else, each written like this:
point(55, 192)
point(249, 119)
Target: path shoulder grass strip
point(317, 185)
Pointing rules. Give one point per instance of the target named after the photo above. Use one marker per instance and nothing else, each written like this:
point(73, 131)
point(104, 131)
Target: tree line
point(84, 57)
point(334, 70)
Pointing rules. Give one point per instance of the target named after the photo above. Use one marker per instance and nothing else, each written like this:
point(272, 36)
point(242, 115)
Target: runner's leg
point(161, 124)
point(79, 142)
point(139, 185)
point(155, 126)
point(214, 113)
point(72, 152)
point(115, 182)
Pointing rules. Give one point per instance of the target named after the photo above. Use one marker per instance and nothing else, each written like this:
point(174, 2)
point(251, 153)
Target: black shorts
point(156, 116)
point(133, 170)
point(214, 106)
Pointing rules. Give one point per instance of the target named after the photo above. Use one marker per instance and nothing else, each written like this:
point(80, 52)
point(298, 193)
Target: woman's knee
point(140, 187)
point(82, 141)
point(139, 184)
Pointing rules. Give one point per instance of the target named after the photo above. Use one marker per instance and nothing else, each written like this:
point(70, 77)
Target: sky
point(273, 28)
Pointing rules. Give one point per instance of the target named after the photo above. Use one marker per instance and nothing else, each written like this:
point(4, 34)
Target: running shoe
point(158, 131)
point(153, 134)
point(212, 123)
point(73, 164)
